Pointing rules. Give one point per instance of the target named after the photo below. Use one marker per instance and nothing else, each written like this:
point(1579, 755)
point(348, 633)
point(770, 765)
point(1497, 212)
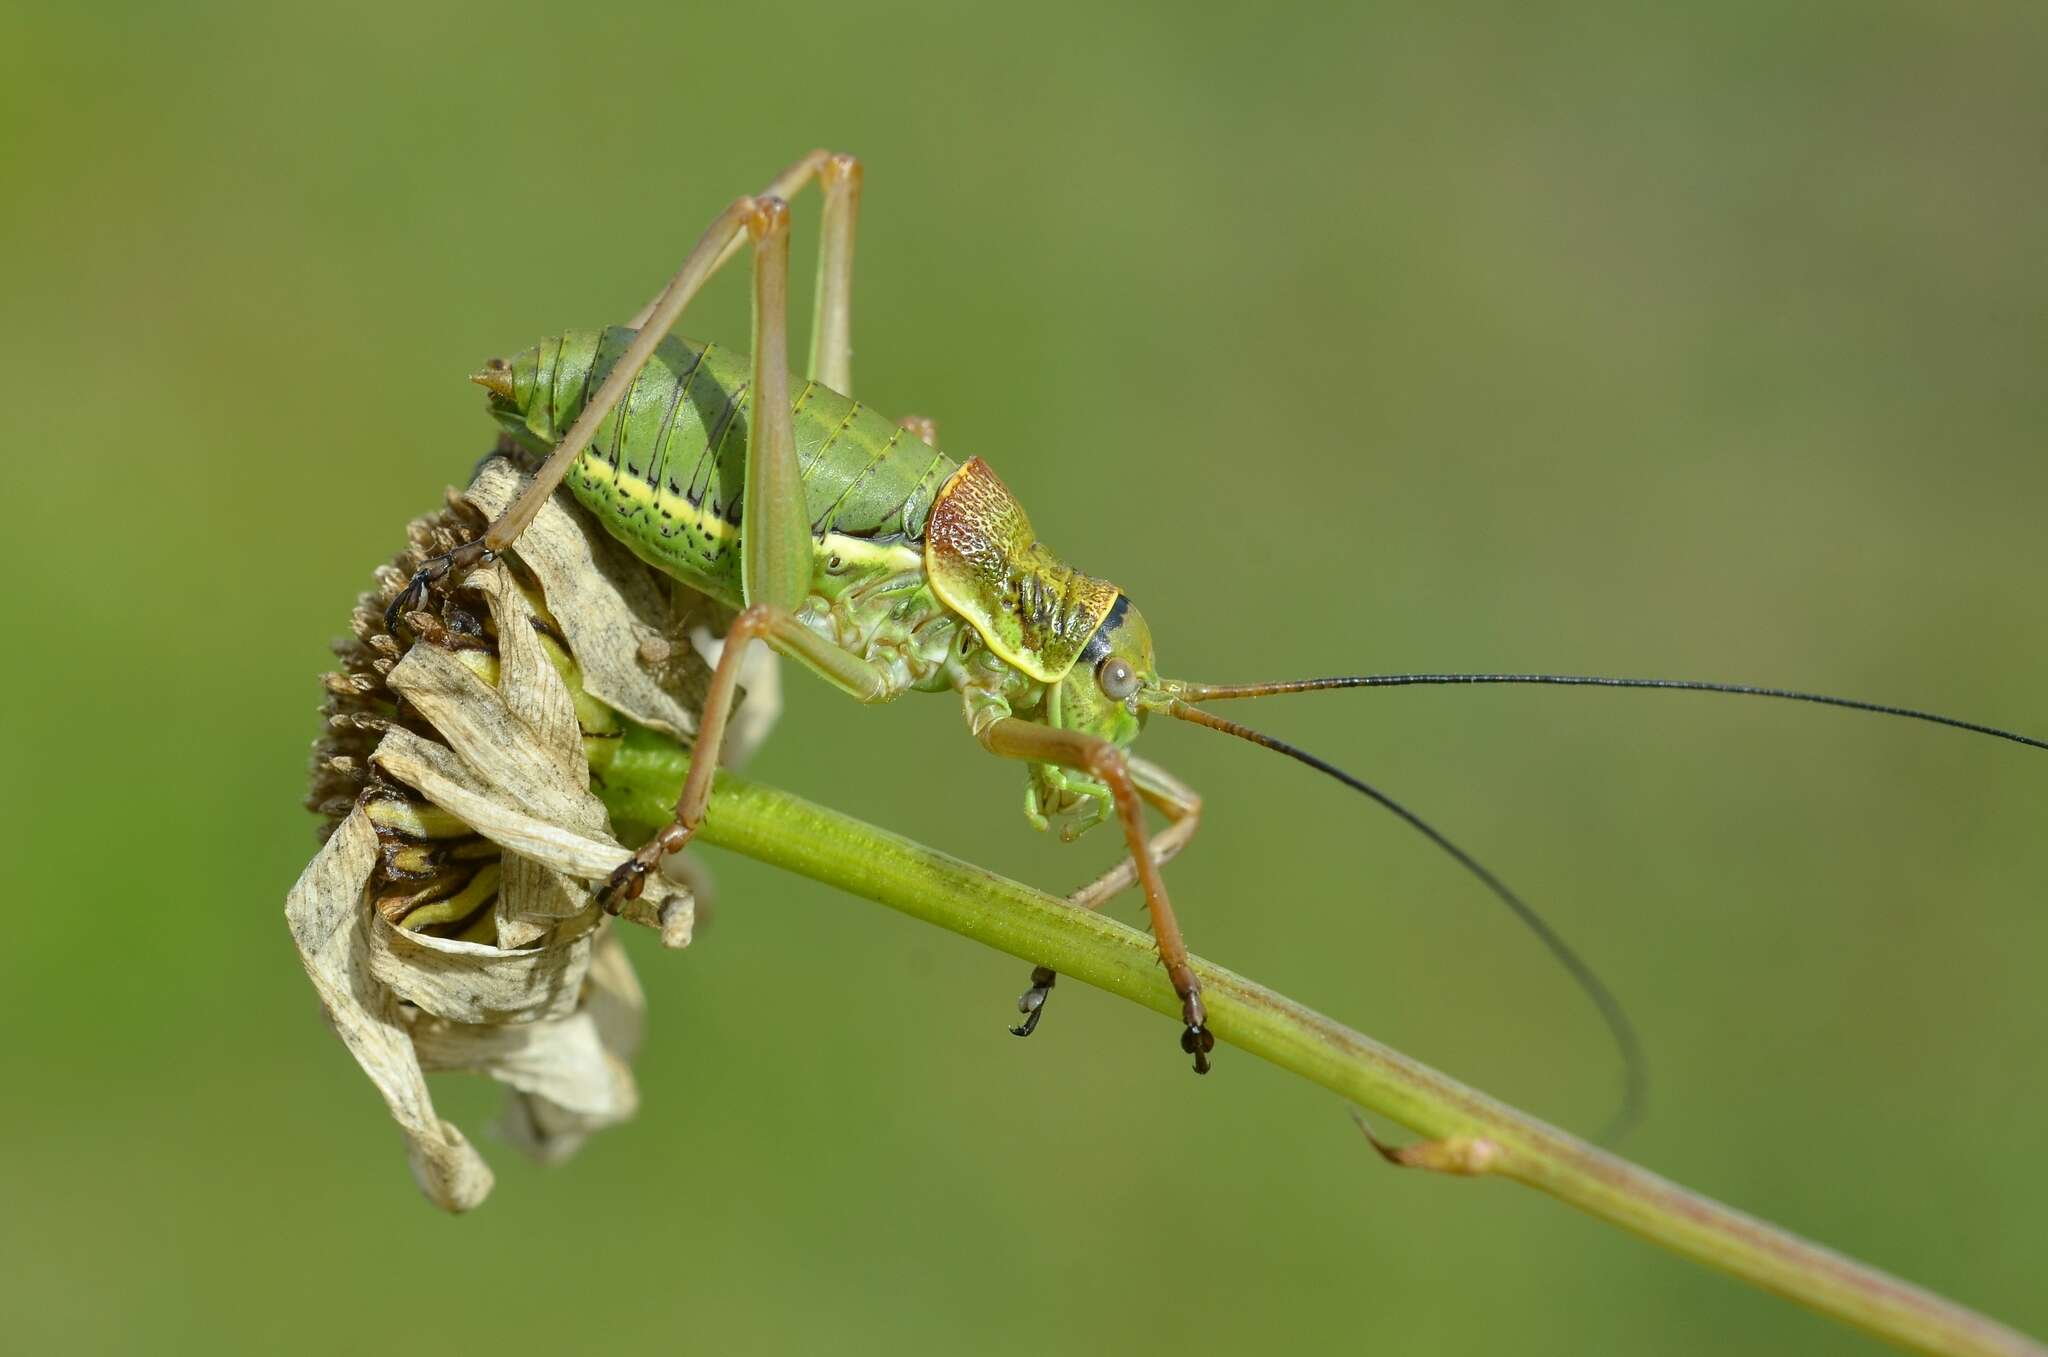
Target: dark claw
point(1032, 1002)
point(627, 881)
point(629, 878)
point(456, 563)
point(408, 600)
point(1198, 1041)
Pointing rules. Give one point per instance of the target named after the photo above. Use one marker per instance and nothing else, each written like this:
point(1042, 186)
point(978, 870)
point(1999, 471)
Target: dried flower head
point(447, 921)
point(434, 873)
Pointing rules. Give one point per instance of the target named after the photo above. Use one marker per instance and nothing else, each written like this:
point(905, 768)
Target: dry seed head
point(442, 882)
point(359, 707)
point(484, 703)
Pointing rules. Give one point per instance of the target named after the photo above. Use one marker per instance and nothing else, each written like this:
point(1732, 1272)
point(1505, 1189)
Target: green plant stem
point(800, 836)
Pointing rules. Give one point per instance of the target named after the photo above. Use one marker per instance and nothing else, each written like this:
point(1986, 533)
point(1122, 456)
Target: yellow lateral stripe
point(852, 549)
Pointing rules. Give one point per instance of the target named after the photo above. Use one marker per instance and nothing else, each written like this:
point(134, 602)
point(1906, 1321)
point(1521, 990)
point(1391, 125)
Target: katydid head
point(1101, 693)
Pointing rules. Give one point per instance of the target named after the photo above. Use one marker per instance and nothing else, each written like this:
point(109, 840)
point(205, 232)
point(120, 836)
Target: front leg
point(1015, 738)
point(1182, 806)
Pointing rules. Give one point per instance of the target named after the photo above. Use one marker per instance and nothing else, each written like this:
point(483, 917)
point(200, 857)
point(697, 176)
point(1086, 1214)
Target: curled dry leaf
point(448, 922)
point(615, 611)
point(645, 643)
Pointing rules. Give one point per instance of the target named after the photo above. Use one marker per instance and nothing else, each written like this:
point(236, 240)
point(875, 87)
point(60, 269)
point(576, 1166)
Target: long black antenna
point(1635, 1074)
point(1218, 692)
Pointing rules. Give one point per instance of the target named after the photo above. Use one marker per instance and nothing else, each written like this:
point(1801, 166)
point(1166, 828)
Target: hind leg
point(775, 557)
point(727, 234)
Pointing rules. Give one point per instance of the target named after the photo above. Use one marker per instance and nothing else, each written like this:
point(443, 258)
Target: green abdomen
point(666, 470)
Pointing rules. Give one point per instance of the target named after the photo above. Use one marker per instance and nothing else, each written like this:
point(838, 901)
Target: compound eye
point(1117, 678)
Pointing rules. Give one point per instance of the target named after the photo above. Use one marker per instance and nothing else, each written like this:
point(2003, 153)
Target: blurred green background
point(1674, 340)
